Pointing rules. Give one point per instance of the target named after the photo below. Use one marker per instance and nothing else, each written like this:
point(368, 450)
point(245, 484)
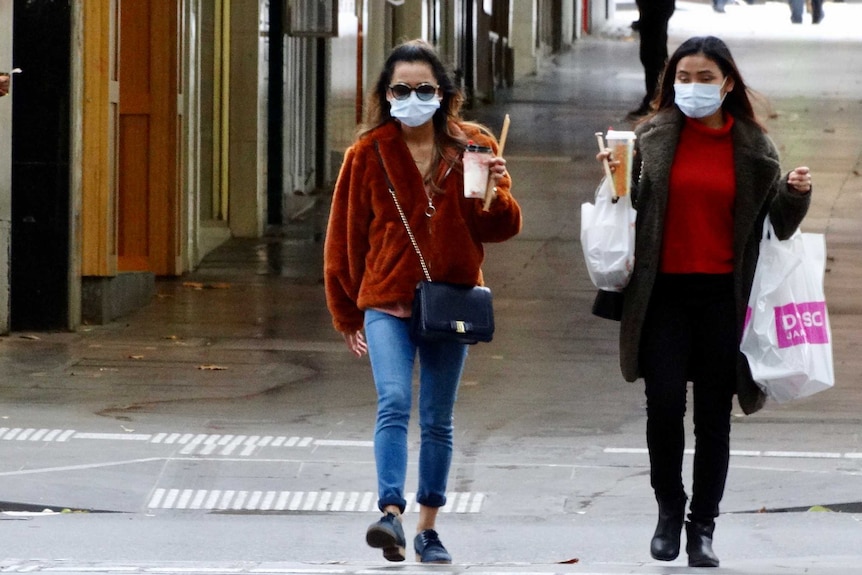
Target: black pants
point(690, 335)
point(652, 26)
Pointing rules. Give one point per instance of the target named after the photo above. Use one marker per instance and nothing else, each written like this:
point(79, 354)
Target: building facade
point(141, 134)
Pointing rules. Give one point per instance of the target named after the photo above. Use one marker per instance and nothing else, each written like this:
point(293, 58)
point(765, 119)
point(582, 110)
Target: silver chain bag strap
point(444, 311)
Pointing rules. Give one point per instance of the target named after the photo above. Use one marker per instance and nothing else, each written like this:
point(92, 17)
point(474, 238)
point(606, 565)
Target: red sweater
point(698, 230)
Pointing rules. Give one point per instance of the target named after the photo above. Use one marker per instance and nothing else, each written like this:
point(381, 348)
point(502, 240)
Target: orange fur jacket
point(368, 258)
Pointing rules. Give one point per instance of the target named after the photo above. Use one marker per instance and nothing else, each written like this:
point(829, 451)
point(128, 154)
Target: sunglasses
point(423, 91)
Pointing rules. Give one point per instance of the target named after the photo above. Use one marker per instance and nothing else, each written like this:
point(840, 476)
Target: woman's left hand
point(800, 180)
point(497, 169)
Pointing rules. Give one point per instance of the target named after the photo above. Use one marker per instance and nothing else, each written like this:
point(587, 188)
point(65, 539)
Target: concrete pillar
point(411, 22)
point(76, 169)
point(522, 37)
point(374, 44)
point(6, 64)
point(247, 121)
point(190, 139)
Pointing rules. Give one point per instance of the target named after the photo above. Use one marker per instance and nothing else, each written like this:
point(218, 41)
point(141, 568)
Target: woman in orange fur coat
point(413, 132)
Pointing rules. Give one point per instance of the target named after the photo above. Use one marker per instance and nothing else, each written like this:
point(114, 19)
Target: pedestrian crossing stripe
point(32, 434)
point(189, 443)
point(296, 501)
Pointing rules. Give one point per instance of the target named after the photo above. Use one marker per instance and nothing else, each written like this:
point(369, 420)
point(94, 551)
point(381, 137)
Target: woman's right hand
point(608, 155)
point(355, 343)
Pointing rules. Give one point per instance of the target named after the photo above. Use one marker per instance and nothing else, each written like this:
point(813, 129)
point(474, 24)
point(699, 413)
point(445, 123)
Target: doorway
point(149, 170)
point(40, 165)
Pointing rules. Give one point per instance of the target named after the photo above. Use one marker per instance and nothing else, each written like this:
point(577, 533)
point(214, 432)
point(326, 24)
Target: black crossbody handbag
point(445, 311)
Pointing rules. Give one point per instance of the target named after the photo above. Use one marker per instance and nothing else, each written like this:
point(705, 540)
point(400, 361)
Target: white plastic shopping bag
point(608, 238)
point(787, 338)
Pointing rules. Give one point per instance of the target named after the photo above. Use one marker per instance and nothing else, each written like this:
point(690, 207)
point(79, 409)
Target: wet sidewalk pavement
point(267, 293)
point(252, 319)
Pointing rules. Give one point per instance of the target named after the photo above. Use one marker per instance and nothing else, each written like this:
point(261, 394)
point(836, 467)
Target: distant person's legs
point(797, 7)
point(652, 26)
point(816, 11)
point(653, 55)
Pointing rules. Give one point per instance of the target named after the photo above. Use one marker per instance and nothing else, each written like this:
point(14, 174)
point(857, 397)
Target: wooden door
point(148, 204)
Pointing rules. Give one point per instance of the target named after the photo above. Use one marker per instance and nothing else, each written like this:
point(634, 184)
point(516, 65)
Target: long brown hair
point(447, 136)
point(736, 102)
point(376, 111)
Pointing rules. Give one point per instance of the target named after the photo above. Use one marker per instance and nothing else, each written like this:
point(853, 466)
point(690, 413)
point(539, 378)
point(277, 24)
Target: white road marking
point(79, 467)
point(320, 501)
point(247, 446)
point(750, 453)
point(113, 436)
point(342, 443)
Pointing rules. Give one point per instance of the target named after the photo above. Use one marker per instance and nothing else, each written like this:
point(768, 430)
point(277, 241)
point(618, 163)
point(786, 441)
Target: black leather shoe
point(665, 542)
point(429, 549)
point(387, 534)
point(699, 544)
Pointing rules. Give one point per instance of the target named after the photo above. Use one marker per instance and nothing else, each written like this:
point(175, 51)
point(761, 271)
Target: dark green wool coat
point(760, 189)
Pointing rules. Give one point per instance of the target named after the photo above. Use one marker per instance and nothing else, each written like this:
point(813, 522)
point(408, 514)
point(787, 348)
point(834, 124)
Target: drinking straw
point(488, 191)
point(605, 163)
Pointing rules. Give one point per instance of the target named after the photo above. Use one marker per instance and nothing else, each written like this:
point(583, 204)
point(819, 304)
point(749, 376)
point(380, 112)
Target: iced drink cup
point(476, 170)
point(622, 146)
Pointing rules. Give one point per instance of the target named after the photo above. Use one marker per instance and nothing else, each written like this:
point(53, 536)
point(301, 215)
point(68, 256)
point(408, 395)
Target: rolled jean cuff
point(431, 500)
point(384, 503)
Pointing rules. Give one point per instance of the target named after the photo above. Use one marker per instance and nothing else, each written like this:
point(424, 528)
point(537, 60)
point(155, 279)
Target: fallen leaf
point(202, 285)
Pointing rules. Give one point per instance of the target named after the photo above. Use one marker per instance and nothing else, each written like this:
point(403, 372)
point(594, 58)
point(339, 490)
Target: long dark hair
point(737, 102)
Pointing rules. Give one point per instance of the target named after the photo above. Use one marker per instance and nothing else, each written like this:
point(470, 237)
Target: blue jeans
point(393, 355)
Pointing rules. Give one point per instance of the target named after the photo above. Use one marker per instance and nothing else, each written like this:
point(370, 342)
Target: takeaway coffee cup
point(476, 170)
point(622, 146)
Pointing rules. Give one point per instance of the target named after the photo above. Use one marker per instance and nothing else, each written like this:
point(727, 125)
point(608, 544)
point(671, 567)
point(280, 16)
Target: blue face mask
point(698, 100)
point(412, 111)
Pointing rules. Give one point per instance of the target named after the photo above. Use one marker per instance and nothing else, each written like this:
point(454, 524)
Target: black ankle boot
point(699, 544)
point(665, 542)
